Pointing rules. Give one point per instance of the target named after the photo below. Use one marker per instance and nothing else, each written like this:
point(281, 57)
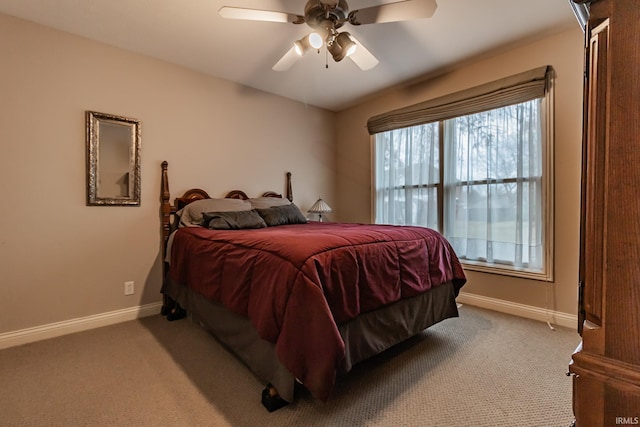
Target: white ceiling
point(192, 34)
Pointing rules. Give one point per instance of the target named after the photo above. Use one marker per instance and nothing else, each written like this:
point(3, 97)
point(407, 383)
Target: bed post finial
point(289, 191)
point(165, 182)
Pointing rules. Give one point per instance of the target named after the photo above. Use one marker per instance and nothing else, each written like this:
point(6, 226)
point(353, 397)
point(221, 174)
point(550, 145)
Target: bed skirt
point(365, 336)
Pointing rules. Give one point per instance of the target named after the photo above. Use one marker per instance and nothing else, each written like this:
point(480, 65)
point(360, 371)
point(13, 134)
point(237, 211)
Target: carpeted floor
point(482, 369)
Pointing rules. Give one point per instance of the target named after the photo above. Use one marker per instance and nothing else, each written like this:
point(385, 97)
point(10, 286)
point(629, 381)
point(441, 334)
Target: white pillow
point(191, 215)
point(267, 202)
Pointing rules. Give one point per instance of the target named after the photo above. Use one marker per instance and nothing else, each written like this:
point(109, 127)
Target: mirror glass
point(113, 160)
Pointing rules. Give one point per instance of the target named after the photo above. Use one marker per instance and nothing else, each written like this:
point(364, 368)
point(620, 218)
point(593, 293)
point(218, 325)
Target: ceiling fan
point(325, 18)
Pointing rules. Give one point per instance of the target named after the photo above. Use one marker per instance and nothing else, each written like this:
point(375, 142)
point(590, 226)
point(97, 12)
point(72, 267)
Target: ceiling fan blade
point(393, 12)
point(229, 12)
point(287, 60)
point(362, 57)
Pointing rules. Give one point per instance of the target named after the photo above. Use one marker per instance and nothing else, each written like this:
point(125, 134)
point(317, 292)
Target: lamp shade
point(320, 206)
point(302, 46)
point(341, 46)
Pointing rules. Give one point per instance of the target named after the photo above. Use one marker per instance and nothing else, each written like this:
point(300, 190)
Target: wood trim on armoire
point(606, 365)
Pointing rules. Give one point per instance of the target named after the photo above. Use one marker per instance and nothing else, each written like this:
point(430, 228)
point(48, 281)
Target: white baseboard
point(25, 336)
point(530, 312)
point(52, 330)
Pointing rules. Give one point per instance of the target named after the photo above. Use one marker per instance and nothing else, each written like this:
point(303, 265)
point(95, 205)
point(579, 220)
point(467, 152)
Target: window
point(483, 179)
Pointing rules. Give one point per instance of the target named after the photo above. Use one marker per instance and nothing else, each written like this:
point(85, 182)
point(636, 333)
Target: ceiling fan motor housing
point(318, 15)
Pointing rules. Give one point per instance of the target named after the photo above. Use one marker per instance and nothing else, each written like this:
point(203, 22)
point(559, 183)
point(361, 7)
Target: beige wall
point(564, 52)
point(60, 259)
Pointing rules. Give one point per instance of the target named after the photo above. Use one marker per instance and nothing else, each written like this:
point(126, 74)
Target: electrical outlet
point(128, 288)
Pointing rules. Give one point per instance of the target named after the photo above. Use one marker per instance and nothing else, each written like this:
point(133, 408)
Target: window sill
point(523, 273)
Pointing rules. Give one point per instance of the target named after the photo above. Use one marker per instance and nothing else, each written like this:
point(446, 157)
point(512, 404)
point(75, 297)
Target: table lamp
point(320, 207)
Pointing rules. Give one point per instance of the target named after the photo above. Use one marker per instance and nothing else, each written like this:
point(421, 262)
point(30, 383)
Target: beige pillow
point(191, 215)
point(267, 202)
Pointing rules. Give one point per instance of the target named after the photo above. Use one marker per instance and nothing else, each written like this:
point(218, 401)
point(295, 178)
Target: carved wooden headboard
point(169, 210)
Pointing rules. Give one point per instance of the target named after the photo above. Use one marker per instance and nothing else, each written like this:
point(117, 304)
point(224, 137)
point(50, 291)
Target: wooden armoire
point(606, 365)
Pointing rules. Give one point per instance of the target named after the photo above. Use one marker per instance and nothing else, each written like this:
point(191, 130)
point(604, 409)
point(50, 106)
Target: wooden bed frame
point(238, 334)
point(168, 210)
point(171, 309)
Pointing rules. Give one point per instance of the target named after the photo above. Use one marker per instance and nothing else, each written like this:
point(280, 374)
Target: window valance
point(499, 93)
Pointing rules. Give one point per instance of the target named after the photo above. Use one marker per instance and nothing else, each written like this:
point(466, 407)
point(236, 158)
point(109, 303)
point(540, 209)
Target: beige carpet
point(482, 369)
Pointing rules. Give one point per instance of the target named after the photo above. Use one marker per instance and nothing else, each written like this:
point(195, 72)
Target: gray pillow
point(282, 215)
point(192, 214)
point(233, 220)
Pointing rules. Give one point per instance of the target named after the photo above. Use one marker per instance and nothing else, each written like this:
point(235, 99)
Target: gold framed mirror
point(113, 160)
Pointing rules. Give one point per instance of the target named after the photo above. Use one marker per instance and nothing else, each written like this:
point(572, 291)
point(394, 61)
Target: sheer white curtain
point(492, 191)
point(493, 188)
point(407, 173)
point(478, 166)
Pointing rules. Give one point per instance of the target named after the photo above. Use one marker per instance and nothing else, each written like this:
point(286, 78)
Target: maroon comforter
point(296, 283)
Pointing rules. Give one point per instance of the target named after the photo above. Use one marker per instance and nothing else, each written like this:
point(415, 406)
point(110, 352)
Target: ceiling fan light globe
point(315, 40)
point(345, 46)
point(337, 53)
point(351, 49)
point(301, 47)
